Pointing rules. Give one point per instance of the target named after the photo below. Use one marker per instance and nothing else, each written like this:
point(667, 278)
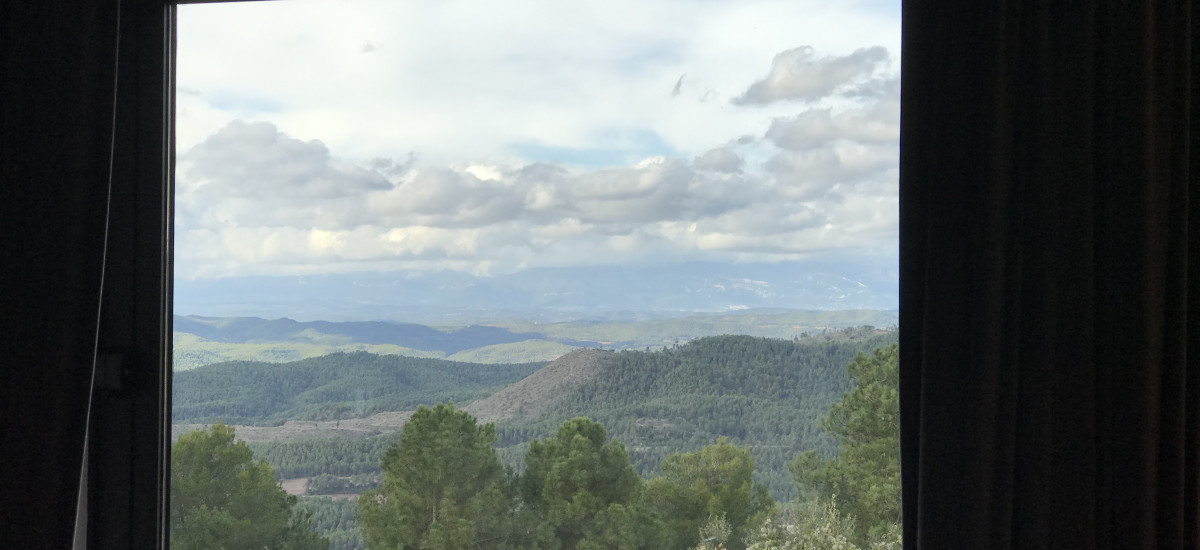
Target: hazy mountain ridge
point(546, 294)
point(409, 335)
point(515, 341)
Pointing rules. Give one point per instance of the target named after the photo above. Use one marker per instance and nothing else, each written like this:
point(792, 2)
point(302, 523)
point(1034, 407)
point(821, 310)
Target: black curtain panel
point(56, 89)
point(1050, 275)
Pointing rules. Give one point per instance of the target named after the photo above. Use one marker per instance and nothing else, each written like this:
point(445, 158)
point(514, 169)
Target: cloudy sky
point(490, 137)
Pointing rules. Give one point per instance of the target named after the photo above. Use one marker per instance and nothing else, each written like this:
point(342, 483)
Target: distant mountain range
point(206, 340)
point(241, 330)
point(546, 294)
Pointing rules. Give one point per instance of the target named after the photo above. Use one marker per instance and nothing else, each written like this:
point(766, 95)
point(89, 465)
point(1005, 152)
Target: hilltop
point(542, 390)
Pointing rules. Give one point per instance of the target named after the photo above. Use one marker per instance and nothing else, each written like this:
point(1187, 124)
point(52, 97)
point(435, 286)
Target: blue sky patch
point(630, 147)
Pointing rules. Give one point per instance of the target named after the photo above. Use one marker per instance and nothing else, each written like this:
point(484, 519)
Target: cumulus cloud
point(721, 159)
point(816, 128)
point(255, 171)
point(799, 74)
point(257, 160)
point(252, 199)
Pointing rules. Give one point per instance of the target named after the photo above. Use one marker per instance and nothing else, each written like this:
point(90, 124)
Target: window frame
point(124, 500)
point(130, 433)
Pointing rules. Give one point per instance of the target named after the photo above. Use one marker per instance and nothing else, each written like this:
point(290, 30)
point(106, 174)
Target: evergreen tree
point(443, 487)
point(222, 498)
point(713, 484)
point(583, 492)
point(866, 475)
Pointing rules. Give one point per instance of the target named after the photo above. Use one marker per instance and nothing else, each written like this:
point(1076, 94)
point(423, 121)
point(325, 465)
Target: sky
point(491, 137)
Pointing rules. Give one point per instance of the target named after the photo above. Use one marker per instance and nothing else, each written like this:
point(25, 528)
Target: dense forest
point(342, 385)
point(336, 520)
point(764, 394)
point(785, 415)
point(335, 456)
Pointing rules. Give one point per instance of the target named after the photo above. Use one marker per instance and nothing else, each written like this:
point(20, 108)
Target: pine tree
point(443, 486)
point(866, 475)
point(222, 498)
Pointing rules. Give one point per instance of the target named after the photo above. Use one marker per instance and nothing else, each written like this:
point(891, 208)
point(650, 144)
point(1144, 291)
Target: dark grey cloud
point(799, 74)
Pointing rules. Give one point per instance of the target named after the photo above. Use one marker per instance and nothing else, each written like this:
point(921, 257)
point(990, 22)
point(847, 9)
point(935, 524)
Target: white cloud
point(721, 159)
point(800, 74)
point(422, 136)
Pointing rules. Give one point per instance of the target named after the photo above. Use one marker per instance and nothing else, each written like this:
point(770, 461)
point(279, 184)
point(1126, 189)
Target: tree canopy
point(222, 498)
point(712, 484)
point(443, 486)
point(865, 478)
point(584, 491)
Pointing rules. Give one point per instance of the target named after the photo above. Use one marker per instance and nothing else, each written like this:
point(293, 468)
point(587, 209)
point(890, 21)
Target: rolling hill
point(341, 385)
point(766, 394)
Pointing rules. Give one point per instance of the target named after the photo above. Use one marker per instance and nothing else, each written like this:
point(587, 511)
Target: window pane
point(637, 245)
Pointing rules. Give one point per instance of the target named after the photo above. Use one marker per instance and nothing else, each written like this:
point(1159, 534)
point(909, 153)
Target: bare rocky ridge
point(542, 389)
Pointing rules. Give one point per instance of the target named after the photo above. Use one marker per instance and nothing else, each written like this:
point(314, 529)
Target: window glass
point(533, 274)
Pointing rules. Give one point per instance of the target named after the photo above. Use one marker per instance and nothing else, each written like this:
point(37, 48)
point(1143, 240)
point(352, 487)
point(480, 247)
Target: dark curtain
point(1048, 269)
point(1050, 275)
point(56, 84)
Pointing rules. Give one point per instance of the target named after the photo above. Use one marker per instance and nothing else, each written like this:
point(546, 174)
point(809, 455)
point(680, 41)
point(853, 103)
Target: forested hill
point(341, 385)
point(767, 394)
point(240, 330)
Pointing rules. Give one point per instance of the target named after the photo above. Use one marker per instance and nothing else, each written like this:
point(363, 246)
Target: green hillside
point(342, 385)
point(527, 351)
point(191, 351)
point(784, 324)
point(766, 394)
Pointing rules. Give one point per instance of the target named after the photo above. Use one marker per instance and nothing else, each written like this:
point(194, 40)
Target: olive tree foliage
point(443, 487)
point(221, 498)
point(708, 488)
point(818, 525)
point(864, 480)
